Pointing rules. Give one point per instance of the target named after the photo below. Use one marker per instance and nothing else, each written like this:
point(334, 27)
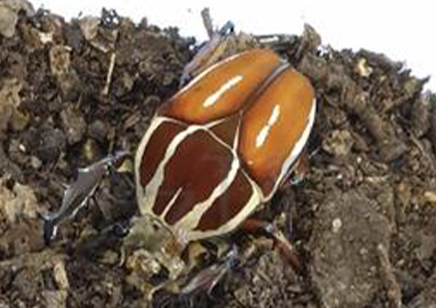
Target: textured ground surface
point(363, 221)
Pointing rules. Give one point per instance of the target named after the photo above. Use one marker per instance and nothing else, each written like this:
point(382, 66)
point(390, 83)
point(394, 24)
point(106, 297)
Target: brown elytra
point(224, 143)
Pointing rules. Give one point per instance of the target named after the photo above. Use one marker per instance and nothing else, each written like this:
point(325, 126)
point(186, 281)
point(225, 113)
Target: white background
point(405, 31)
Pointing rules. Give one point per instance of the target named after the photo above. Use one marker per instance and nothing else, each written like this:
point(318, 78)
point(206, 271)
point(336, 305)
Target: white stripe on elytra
point(173, 199)
point(247, 209)
point(191, 220)
point(150, 192)
point(263, 134)
point(238, 129)
point(232, 148)
point(155, 123)
point(296, 150)
point(213, 98)
point(205, 72)
point(257, 196)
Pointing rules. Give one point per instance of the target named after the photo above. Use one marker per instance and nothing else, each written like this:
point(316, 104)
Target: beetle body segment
point(223, 144)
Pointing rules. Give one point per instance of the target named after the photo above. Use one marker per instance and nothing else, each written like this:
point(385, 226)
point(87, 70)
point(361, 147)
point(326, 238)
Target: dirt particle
point(51, 145)
point(60, 275)
point(18, 201)
point(362, 68)
point(100, 37)
point(65, 76)
point(99, 130)
point(60, 60)
point(430, 196)
point(336, 225)
point(9, 10)
point(9, 102)
point(35, 162)
point(338, 143)
point(89, 26)
point(74, 124)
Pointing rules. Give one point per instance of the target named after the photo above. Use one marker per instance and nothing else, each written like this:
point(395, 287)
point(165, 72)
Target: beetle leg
point(205, 280)
point(286, 249)
point(208, 278)
point(78, 193)
point(298, 172)
point(210, 51)
point(300, 169)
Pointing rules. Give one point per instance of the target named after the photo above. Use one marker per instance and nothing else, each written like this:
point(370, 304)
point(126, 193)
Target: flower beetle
point(217, 150)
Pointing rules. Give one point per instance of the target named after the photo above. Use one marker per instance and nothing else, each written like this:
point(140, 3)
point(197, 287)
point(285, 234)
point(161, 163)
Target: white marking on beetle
point(191, 220)
point(218, 139)
point(206, 72)
point(213, 98)
point(214, 123)
point(146, 199)
point(155, 123)
point(238, 130)
point(151, 191)
point(251, 205)
point(296, 150)
point(173, 199)
point(263, 134)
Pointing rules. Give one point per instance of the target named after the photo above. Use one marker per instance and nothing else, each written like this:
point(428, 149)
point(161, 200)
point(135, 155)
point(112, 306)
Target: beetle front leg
point(204, 280)
point(207, 278)
point(286, 249)
point(79, 192)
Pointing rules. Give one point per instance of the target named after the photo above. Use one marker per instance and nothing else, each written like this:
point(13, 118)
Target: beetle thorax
point(161, 244)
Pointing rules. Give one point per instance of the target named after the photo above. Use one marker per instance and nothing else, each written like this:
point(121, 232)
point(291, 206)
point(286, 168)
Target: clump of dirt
point(363, 220)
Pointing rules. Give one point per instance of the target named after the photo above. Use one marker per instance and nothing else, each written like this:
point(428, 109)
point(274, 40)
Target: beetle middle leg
point(202, 280)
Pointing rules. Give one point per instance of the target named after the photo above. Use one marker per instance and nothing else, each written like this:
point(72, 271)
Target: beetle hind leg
point(280, 242)
point(297, 173)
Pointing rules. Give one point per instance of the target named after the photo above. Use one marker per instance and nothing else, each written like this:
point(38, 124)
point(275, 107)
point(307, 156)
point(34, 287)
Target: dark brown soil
point(363, 220)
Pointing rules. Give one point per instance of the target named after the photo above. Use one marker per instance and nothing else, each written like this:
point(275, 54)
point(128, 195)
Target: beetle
point(217, 150)
point(212, 155)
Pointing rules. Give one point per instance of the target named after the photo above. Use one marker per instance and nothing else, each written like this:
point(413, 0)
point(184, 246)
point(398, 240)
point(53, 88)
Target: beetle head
point(166, 247)
point(149, 233)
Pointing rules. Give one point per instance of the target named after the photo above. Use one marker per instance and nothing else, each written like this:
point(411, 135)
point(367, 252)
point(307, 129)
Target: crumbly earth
point(363, 221)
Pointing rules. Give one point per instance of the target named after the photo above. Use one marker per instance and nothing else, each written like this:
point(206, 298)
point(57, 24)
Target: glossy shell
point(224, 144)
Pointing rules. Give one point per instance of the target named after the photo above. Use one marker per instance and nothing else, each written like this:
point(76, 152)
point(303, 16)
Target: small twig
point(109, 74)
